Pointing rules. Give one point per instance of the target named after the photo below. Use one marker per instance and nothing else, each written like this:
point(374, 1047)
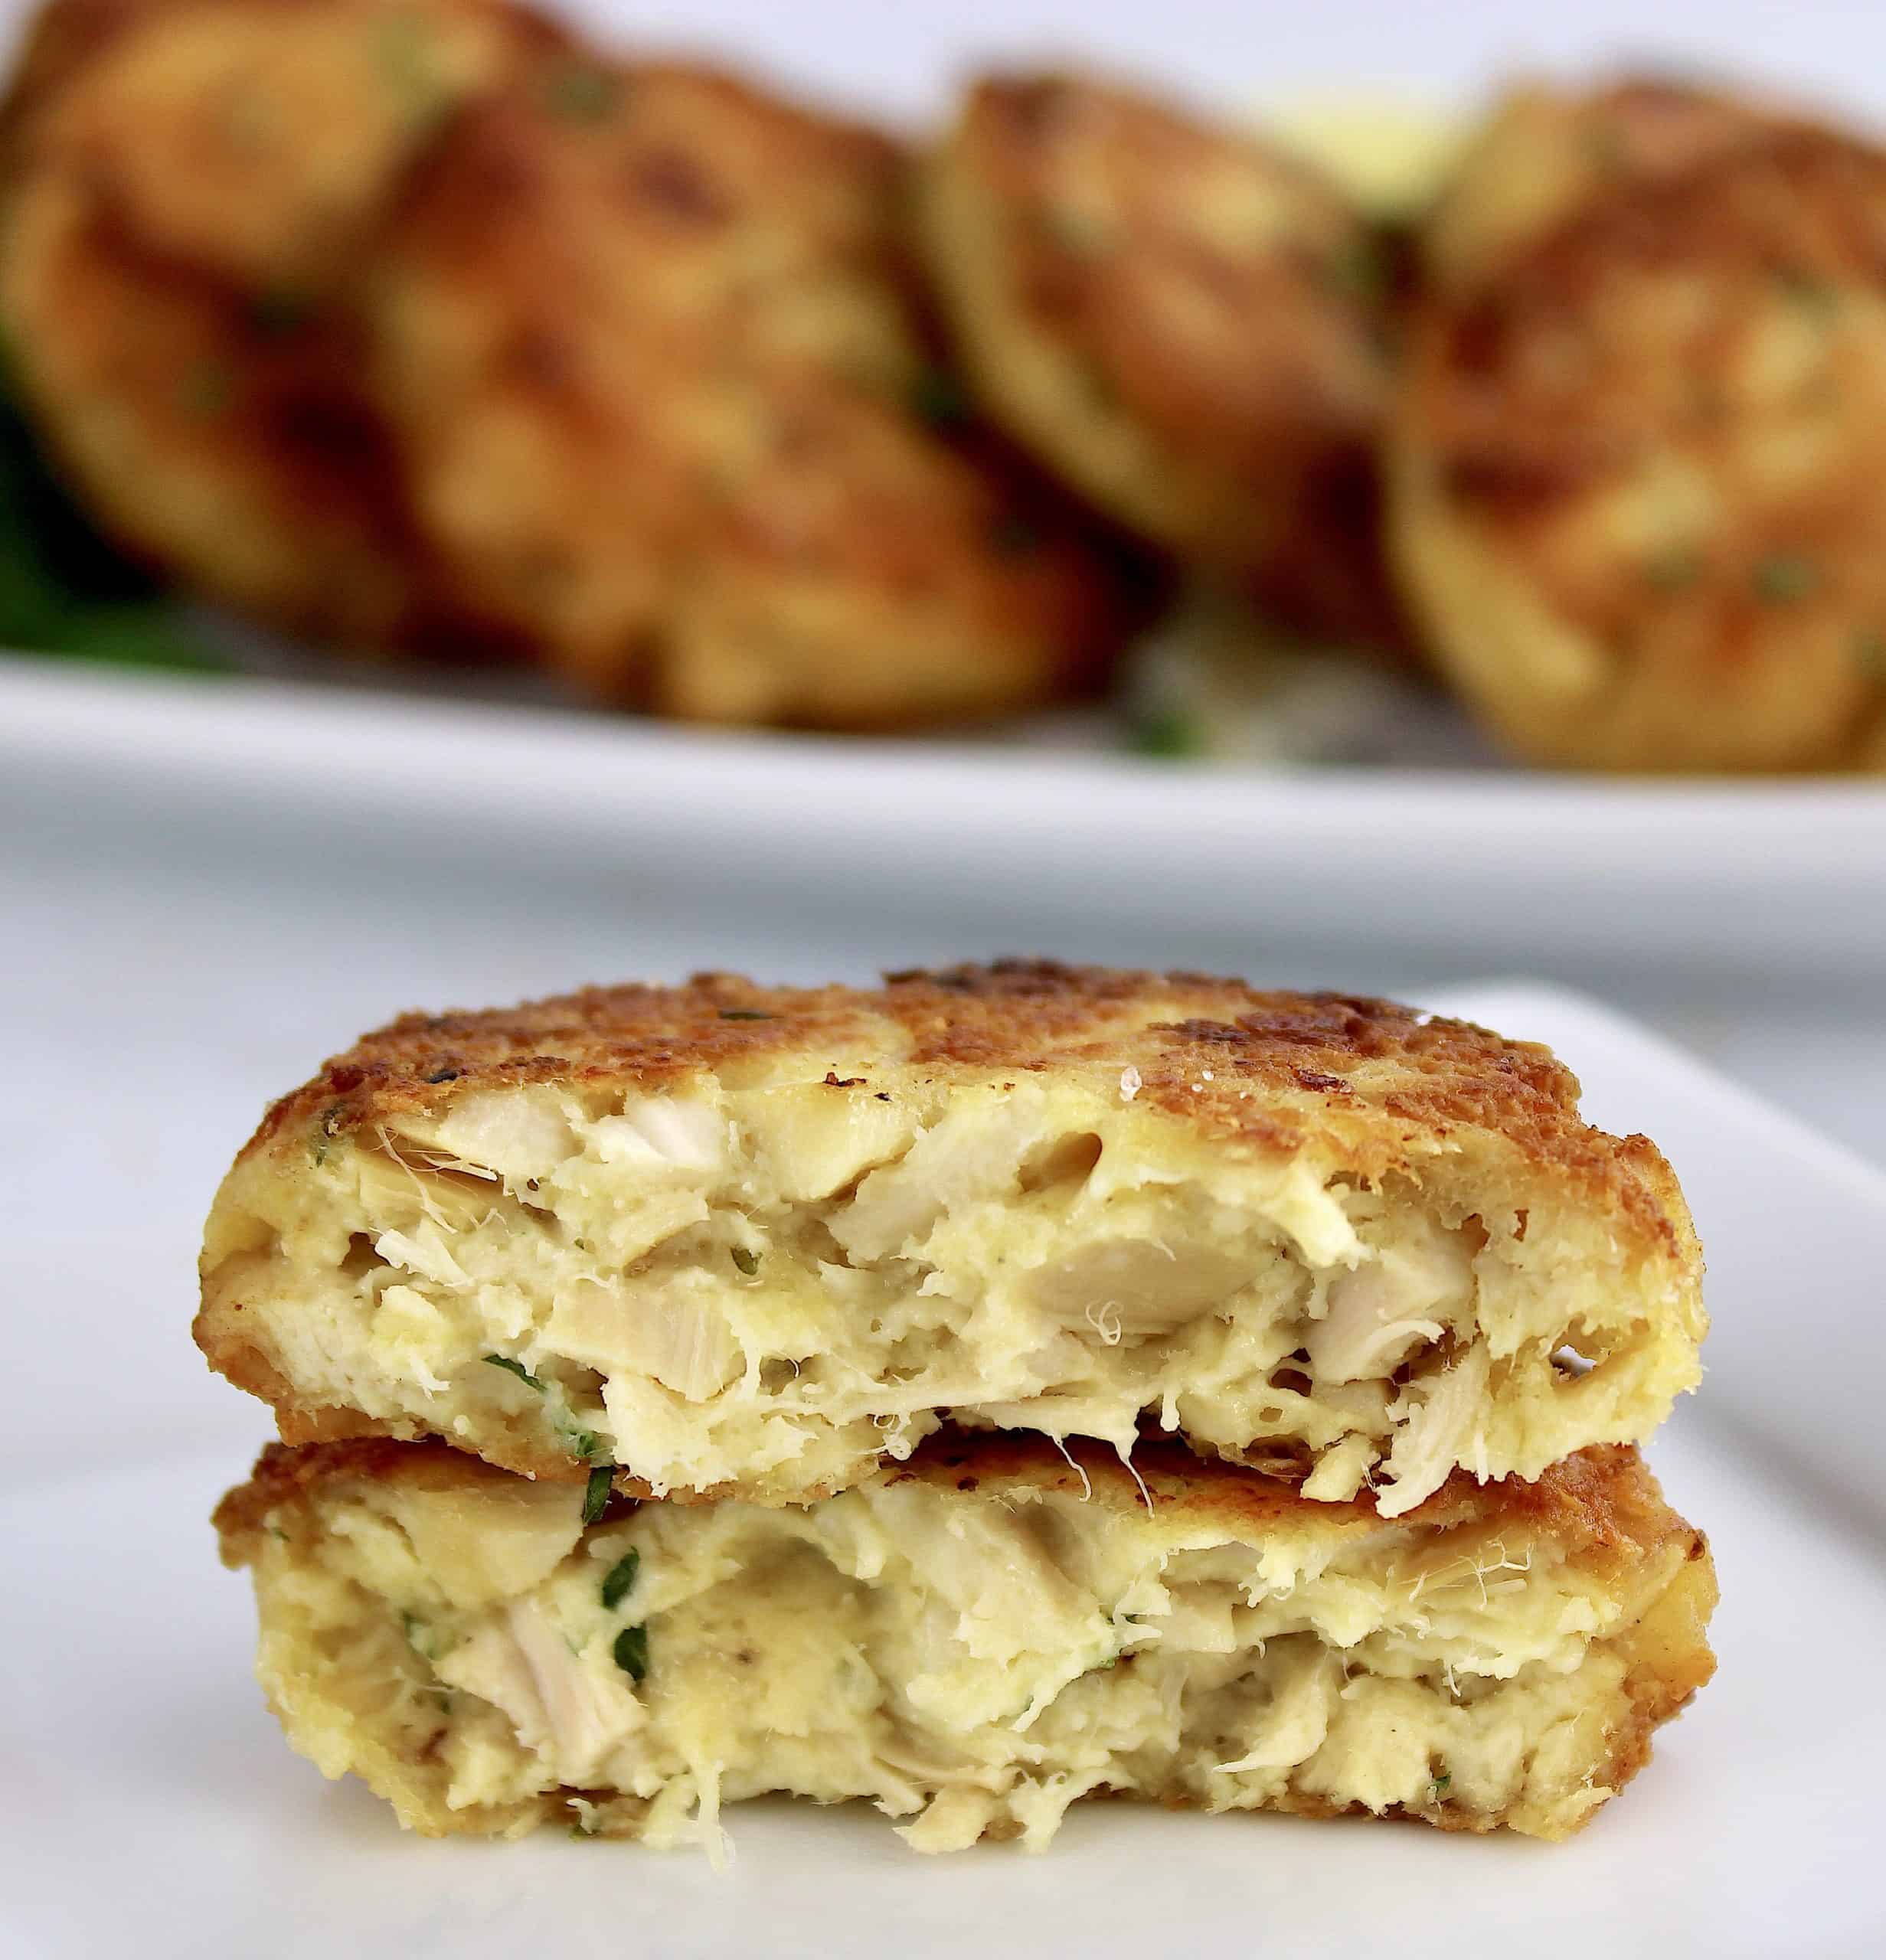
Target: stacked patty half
point(1012, 1383)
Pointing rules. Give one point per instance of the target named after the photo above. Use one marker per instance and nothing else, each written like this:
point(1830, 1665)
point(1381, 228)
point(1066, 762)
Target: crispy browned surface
point(628, 371)
point(190, 184)
point(1207, 316)
point(1603, 1505)
point(646, 333)
point(1639, 480)
point(208, 437)
point(1274, 1071)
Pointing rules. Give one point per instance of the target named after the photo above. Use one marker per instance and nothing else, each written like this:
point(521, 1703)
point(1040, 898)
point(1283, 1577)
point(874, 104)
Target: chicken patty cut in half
point(1636, 480)
point(749, 1241)
point(972, 1642)
point(1186, 323)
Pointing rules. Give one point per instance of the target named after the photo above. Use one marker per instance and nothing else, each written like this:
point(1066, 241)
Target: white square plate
point(149, 1807)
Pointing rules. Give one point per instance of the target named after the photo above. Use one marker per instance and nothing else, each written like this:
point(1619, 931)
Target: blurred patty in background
point(405, 324)
point(422, 324)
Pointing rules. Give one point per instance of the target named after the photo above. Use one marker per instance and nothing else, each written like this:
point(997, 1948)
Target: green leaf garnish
point(517, 1368)
point(279, 311)
point(1784, 576)
point(1441, 1785)
point(620, 1579)
point(1808, 290)
point(206, 388)
point(1671, 571)
point(595, 1493)
point(1014, 537)
point(1359, 269)
point(1165, 731)
point(584, 1443)
point(579, 92)
point(937, 400)
point(631, 1652)
point(748, 1263)
point(1079, 233)
point(64, 589)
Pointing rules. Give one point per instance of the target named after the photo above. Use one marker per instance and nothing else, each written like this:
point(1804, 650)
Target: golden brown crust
point(618, 365)
point(1602, 1505)
point(1186, 324)
point(185, 208)
point(647, 333)
point(1374, 1083)
point(1639, 473)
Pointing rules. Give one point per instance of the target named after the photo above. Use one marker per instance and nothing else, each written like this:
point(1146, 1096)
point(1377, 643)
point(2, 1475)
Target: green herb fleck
point(748, 1263)
point(1358, 270)
point(596, 1492)
point(937, 400)
point(1604, 143)
point(406, 57)
point(744, 1014)
point(418, 1635)
point(1809, 291)
point(517, 1368)
point(1170, 732)
point(579, 92)
point(1784, 576)
point(1014, 537)
point(620, 1579)
point(584, 1443)
point(1441, 1785)
point(279, 312)
point(631, 1652)
point(1081, 234)
point(1672, 570)
point(1869, 654)
point(206, 388)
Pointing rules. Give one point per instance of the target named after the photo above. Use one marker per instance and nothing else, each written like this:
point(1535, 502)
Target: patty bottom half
point(970, 1642)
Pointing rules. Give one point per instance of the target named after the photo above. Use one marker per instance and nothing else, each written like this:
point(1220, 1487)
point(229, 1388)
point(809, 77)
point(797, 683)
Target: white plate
point(813, 834)
point(149, 1806)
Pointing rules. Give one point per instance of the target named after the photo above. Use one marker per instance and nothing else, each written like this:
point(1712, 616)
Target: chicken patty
point(1637, 485)
point(647, 336)
point(971, 1643)
point(752, 1241)
point(191, 187)
point(1185, 324)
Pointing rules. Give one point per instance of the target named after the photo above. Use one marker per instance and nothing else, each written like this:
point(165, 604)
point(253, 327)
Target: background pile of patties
point(423, 325)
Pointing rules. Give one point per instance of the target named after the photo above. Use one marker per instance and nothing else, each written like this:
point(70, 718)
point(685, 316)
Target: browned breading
point(1638, 480)
point(190, 188)
point(1269, 1069)
point(628, 372)
point(1187, 324)
point(647, 334)
point(854, 1170)
point(1602, 1505)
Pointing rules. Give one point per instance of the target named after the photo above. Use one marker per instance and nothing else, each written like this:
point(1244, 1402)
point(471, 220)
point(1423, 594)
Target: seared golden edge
point(1635, 467)
point(418, 322)
point(1187, 324)
point(748, 1240)
point(971, 1642)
